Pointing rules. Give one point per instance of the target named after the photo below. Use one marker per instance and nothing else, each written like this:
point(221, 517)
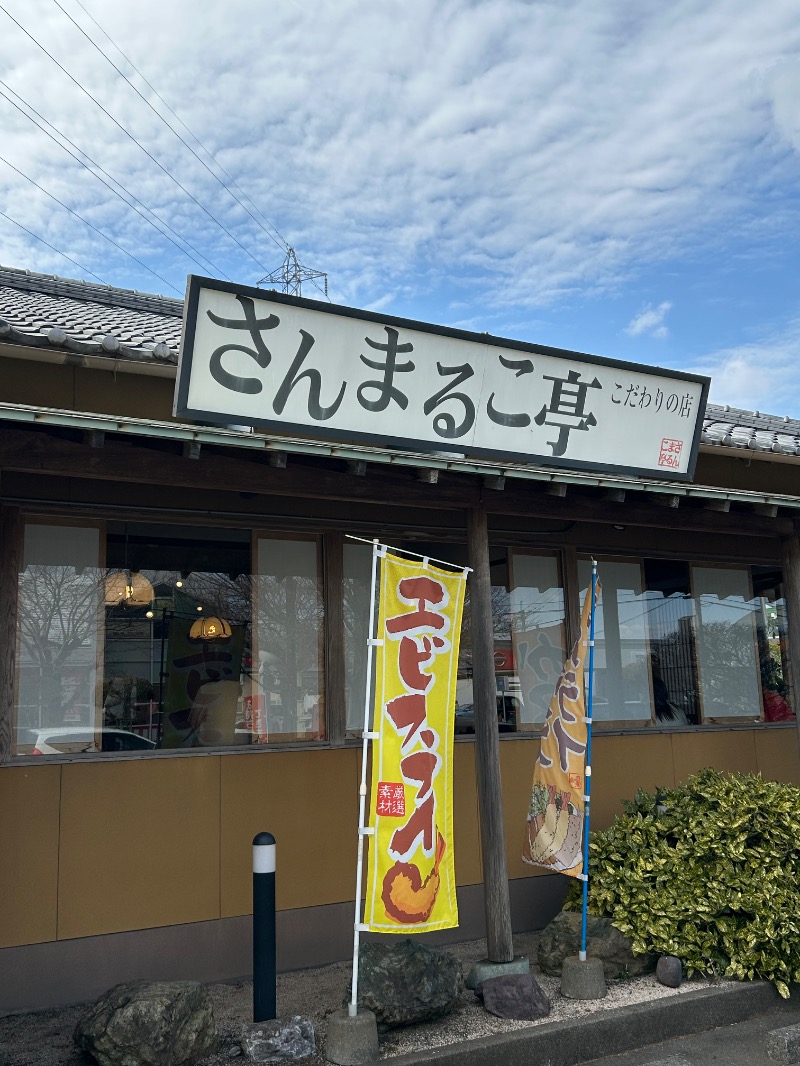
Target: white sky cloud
point(650, 320)
point(761, 376)
point(524, 154)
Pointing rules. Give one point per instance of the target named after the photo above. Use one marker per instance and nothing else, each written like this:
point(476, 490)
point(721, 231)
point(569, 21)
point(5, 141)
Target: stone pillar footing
point(486, 968)
point(352, 1041)
point(582, 979)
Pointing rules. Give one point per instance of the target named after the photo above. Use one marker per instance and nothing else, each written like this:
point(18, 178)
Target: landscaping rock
point(561, 939)
point(514, 996)
point(669, 971)
point(407, 982)
point(279, 1040)
point(149, 1023)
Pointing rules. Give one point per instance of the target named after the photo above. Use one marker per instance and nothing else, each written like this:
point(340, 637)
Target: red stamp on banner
point(576, 781)
point(670, 453)
point(391, 801)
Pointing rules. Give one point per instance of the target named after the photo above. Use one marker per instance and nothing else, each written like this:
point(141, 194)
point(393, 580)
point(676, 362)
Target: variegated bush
point(709, 872)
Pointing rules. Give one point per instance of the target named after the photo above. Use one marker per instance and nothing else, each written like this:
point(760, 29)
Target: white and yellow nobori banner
point(411, 875)
point(554, 834)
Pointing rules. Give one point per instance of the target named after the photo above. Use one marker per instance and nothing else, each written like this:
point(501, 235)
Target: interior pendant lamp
point(129, 588)
point(210, 628)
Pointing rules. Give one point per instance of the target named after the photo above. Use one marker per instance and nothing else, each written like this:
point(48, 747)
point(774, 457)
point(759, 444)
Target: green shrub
point(713, 878)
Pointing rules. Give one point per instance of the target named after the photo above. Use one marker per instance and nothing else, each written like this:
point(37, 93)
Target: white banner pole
point(367, 736)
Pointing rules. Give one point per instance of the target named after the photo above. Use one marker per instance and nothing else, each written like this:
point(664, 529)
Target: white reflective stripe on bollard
point(263, 858)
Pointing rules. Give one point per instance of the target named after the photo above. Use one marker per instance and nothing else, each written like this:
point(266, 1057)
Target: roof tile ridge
point(90, 291)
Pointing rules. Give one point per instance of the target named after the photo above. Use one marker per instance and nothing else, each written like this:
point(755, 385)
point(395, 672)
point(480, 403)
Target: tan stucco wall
point(106, 846)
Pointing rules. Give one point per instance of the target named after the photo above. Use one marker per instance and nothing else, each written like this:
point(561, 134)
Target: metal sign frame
point(475, 346)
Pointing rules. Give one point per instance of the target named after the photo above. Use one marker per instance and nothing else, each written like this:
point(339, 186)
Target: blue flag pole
point(588, 771)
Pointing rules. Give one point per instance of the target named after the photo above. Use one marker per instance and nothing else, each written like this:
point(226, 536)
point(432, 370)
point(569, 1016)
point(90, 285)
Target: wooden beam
point(556, 488)
point(664, 499)
point(768, 510)
point(278, 460)
point(496, 483)
point(357, 467)
point(614, 495)
point(11, 528)
point(333, 571)
point(500, 947)
point(428, 475)
point(95, 438)
point(34, 451)
point(191, 449)
point(721, 506)
point(572, 595)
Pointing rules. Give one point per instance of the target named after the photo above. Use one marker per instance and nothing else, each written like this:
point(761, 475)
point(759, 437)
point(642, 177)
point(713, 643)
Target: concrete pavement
point(741, 1044)
point(639, 1035)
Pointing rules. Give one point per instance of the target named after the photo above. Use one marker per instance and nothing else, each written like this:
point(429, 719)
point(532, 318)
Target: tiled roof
point(47, 311)
point(43, 311)
point(730, 427)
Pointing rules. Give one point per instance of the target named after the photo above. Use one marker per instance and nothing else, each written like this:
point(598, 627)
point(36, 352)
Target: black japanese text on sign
point(297, 367)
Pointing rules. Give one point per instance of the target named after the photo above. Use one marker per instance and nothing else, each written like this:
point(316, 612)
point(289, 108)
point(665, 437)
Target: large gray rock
point(514, 996)
point(149, 1023)
point(561, 939)
point(279, 1040)
point(407, 982)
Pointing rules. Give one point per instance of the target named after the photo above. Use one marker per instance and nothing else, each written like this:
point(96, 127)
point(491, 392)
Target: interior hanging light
point(210, 628)
point(129, 588)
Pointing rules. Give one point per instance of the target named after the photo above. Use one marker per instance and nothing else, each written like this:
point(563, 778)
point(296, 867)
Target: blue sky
point(620, 178)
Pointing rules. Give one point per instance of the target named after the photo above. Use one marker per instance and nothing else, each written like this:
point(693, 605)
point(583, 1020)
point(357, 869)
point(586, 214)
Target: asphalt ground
point(740, 1044)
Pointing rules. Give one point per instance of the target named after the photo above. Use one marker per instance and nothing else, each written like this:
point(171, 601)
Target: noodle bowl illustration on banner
point(411, 874)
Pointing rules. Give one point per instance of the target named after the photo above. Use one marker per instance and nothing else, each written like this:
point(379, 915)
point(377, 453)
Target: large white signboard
point(296, 366)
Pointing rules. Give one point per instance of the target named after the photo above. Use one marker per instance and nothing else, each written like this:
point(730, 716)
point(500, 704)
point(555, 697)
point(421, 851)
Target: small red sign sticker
point(391, 800)
point(670, 453)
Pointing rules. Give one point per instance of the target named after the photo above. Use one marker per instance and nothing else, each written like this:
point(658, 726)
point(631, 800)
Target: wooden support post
point(333, 570)
point(500, 947)
point(10, 566)
point(791, 592)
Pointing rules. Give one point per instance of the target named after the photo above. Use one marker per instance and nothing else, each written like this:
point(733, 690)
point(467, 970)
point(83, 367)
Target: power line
point(281, 243)
point(111, 188)
point(87, 223)
point(52, 248)
point(130, 136)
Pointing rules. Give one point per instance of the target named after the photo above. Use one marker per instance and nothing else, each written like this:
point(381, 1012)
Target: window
point(537, 632)
point(137, 637)
point(683, 643)
point(289, 685)
point(357, 577)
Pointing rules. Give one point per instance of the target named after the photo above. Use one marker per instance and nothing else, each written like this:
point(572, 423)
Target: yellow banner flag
point(554, 837)
point(411, 875)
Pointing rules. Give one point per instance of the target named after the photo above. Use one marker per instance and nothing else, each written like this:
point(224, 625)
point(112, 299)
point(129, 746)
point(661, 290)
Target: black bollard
point(264, 981)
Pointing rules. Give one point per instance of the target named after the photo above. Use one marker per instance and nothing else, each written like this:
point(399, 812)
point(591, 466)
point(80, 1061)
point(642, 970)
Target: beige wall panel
point(29, 798)
point(308, 800)
point(36, 383)
point(124, 394)
point(139, 845)
point(777, 755)
point(734, 751)
point(516, 768)
point(620, 765)
point(465, 817)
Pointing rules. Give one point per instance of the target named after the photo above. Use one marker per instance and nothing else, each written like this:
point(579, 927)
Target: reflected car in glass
point(507, 708)
point(75, 740)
